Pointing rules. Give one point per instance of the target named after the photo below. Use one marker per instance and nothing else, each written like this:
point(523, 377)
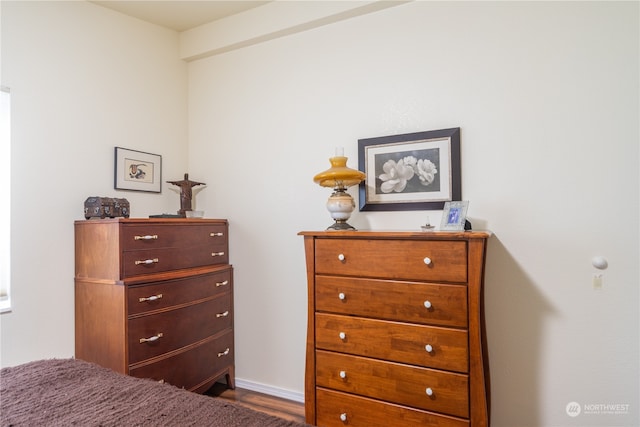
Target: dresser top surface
point(174, 221)
point(398, 234)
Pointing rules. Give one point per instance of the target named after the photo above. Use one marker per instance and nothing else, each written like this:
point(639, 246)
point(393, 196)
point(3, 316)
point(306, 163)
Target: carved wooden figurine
point(186, 193)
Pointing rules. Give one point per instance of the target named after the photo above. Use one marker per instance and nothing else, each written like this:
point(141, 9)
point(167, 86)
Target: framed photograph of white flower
point(413, 171)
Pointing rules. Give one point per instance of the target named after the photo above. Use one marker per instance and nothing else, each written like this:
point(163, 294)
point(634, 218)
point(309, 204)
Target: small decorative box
point(106, 207)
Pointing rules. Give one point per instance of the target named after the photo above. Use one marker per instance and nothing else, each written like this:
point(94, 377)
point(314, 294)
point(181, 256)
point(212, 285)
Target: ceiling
point(179, 15)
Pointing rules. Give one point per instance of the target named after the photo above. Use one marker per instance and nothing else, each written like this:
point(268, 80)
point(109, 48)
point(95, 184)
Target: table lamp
point(339, 177)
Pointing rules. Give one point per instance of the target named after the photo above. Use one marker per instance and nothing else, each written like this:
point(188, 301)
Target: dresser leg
point(231, 378)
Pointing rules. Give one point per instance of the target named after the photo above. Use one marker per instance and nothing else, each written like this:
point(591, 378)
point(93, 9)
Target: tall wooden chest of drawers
point(154, 299)
point(396, 329)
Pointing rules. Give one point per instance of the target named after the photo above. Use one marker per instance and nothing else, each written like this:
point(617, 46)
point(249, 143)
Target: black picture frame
point(425, 189)
point(137, 171)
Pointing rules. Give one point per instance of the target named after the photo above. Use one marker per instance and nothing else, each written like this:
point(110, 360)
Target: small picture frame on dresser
point(454, 216)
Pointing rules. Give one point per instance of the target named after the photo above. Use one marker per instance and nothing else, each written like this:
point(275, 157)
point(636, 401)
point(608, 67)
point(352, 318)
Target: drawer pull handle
point(342, 335)
point(343, 417)
point(224, 353)
point(151, 298)
point(156, 337)
point(217, 253)
point(225, 314)
point(341, 257)
point(429, 348)
point(427, 261)
point(343, 374)
point(342, 296)
point(147, 261)
point(427, 304)
point(225, 283)
point(216, 234)
point(429, 391)
point(147, 237)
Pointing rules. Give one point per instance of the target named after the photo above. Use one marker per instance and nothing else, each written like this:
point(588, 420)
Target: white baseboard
point(270, 390)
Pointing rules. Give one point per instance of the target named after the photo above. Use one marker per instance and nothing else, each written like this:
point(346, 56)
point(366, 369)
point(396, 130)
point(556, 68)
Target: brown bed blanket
point(69, 392)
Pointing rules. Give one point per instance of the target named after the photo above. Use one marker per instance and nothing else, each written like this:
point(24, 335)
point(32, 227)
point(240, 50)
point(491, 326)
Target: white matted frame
point(414, 171)
point(137, 171)
point(454, 216)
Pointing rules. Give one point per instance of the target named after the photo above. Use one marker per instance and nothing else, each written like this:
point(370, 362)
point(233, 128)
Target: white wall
point(83, 80)
point(546, 95)
point(547, 98)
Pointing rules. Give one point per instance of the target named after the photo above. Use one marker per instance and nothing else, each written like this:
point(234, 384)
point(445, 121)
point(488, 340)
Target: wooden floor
point(283, 408)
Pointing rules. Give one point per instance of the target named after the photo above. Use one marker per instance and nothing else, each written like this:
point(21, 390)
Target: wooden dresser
point(154, 299)
point(396, 329)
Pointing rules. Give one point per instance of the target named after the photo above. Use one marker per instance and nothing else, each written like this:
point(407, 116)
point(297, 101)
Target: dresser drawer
point(393, 259)
point(393, 300)
point(394, 382)
point(148, 236)
point(149, 261)
point(194, 366)
point(364, 412)
point(170, 293)
point(436, 347)
point(156, 334)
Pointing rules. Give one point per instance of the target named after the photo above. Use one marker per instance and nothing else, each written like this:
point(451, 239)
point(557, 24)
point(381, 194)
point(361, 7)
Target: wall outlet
point(597, 281)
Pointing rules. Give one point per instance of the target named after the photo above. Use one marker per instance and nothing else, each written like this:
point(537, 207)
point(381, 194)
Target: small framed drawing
point(454, 216)
point(413, 171)
point(137, 171)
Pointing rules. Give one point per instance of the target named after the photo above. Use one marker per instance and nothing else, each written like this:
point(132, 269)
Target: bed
point(72, 392)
